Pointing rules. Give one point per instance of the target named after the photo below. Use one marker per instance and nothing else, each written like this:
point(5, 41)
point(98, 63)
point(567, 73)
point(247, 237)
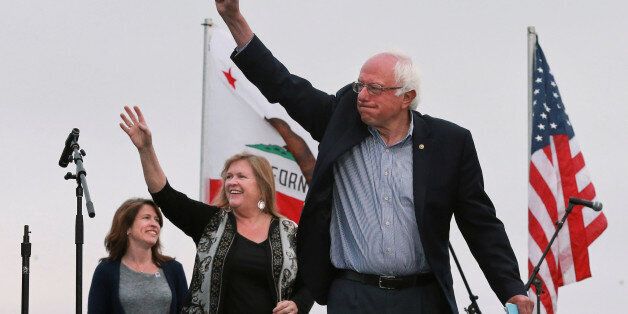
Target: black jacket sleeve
point(187, 214)
point(483, 231)
point(310, 107)
point(302, 296)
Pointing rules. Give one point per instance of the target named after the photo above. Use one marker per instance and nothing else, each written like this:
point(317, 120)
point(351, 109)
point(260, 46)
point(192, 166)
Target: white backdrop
point(70, 63)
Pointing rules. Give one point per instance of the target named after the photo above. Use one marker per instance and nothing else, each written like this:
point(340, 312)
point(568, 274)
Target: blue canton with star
point(548, 112)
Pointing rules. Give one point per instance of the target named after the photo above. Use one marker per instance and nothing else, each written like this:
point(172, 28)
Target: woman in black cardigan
point(136, 277)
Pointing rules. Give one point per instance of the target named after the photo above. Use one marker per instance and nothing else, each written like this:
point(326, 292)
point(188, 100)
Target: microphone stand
point(473, 308)
point(533, 277)
point(81, 182)
point(26, 255)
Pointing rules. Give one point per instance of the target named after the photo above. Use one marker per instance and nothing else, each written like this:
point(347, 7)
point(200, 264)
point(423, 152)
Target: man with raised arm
point(374, 231)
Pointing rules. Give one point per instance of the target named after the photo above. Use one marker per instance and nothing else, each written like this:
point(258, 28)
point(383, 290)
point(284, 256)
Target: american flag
point(557, 172)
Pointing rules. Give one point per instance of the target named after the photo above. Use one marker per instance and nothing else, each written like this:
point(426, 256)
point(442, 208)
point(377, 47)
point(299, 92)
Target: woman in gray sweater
point(136, 277)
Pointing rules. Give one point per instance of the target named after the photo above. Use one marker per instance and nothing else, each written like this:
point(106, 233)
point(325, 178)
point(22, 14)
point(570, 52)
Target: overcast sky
point(66, 64)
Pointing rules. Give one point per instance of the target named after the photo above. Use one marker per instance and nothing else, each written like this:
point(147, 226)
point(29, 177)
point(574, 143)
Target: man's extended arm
point(229, 10)
point(485, 234)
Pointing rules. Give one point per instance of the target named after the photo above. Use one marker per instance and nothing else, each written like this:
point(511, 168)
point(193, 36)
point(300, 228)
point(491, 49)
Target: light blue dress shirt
point(373, 224)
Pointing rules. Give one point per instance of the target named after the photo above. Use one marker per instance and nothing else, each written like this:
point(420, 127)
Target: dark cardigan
point(104, 292)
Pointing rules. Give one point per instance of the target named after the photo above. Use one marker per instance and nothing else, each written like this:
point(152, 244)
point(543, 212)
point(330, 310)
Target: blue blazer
point(447, 181)
point(104, 292)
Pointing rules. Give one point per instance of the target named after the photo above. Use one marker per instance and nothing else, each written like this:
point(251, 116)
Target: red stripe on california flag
point(288, 206)
point(213, 189)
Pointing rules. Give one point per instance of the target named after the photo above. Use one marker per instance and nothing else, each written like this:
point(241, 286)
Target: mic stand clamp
point(538, 286)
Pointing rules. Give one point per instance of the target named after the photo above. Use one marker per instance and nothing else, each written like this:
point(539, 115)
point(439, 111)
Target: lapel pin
point(421, 146)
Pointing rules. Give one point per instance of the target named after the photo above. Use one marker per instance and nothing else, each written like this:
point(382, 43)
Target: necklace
point(136, 266)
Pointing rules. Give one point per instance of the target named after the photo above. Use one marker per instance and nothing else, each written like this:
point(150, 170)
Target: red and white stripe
point(558, 172)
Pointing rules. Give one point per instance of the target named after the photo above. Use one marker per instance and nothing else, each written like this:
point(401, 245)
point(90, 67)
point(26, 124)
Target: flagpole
point(532, 39)
point(207, 35)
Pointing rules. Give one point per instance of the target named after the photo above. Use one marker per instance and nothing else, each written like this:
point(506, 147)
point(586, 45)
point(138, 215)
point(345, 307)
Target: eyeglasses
point(373, 89)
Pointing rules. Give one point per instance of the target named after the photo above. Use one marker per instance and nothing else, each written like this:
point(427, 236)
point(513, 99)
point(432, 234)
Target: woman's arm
point(136, 128)
point(188, 215)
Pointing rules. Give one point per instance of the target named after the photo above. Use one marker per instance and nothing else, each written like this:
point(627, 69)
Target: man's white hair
point(406, 76)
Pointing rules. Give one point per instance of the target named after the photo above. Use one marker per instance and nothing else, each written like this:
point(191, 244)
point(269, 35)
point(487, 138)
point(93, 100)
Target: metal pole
point(78, 240)
point(207, 33)
point(473, 308)
point(26, 254)
point(532, 38)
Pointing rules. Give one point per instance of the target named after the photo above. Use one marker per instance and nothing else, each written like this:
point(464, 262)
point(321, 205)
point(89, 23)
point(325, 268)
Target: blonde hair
point(263, 177)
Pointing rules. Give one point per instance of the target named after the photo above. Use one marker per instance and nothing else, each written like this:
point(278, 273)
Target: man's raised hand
point(228, 9)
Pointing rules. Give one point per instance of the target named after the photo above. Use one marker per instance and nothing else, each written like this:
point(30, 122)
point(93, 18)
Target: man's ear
point(408, 97)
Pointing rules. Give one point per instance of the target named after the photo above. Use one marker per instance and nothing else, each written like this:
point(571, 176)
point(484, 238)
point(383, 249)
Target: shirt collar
point(378, 136)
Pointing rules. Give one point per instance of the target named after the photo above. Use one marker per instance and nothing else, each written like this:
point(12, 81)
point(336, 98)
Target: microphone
point(596, 206)
point(64, 160)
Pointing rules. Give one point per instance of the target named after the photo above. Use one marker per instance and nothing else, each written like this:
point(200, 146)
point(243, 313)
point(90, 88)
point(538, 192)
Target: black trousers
point(347, 296)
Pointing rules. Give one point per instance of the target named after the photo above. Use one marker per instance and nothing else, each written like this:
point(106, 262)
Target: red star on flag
point(230, 78)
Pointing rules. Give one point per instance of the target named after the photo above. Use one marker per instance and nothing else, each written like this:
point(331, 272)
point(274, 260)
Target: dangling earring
point(261, 205)
point(227, 209)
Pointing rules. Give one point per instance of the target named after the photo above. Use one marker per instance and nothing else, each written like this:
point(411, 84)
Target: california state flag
point(236, 119)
